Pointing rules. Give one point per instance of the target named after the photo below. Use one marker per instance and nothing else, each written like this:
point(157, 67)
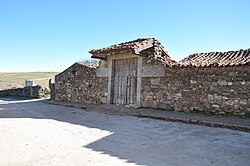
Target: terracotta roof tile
point(229, 58)
point(136, 46)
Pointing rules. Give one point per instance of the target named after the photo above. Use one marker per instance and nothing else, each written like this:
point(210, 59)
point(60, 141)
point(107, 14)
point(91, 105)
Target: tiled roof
point(230, 58)
point(136, 46)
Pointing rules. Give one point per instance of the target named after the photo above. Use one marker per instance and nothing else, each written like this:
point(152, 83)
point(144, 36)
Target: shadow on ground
point(142, 141)
point(111, 145)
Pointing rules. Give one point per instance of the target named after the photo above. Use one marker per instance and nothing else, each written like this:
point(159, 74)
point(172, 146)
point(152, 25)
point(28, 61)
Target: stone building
point(79, 84)
point(141, 73)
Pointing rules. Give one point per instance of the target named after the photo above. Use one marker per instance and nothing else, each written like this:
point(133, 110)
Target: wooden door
point(124, 81)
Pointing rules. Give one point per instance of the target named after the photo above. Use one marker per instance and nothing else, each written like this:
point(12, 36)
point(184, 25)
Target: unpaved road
point(36, 133)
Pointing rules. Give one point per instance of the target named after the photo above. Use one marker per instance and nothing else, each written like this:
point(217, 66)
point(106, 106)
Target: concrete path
point(36, 133)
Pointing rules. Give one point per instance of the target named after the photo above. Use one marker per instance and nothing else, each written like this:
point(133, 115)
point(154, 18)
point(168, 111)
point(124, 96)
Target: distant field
point(17, 79)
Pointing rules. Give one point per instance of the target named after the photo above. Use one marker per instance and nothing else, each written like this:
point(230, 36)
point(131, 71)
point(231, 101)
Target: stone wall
point(30, 92)
point(149, 57)
point(217, 90)
point(79, 84)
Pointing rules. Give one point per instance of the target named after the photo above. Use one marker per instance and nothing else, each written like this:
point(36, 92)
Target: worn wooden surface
point(124, 81)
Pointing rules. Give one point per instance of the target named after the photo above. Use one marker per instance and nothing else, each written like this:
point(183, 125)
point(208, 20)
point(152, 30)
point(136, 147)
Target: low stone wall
point(30, 92)
point(217, 90)
point(79, 84)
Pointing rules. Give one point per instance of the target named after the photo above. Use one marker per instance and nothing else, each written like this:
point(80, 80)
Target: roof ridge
point(133, 45)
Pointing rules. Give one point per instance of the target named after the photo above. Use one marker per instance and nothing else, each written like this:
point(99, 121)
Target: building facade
point(140, 73)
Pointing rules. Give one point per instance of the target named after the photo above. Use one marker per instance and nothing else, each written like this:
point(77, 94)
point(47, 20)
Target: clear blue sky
point(50, 35)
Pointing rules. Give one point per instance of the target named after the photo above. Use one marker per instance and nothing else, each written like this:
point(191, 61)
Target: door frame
point(139, 68)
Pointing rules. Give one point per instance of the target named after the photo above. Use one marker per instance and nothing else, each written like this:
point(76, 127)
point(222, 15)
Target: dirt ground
point(36, 133)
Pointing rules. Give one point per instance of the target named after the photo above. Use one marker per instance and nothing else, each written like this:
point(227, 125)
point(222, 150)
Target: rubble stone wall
point(149, 57)
point(79, 84)
point(30, 92)
point(217, 90)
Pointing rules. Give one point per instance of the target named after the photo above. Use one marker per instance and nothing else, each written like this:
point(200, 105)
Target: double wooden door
point(124, 81)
